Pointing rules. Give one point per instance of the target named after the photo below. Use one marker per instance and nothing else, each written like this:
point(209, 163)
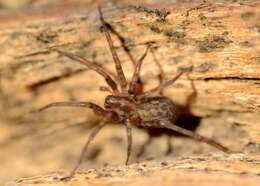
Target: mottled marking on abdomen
point(157, 108)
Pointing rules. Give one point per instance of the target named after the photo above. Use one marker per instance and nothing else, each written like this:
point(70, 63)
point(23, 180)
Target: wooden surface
point(221, 41)
point(194, 171)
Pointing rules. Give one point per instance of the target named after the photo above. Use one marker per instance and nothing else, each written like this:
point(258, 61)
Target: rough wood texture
point(220, 40)
point(195, 172)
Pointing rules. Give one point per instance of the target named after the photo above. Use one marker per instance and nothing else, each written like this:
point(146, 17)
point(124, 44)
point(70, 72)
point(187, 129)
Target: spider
point(128, 103)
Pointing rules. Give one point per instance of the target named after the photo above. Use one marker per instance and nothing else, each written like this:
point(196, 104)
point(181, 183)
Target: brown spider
point(128, 103)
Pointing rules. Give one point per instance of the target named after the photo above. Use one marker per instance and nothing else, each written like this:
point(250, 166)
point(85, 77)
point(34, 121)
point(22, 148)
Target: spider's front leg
point(97, 109)
point(107, 117)
point(92, 135)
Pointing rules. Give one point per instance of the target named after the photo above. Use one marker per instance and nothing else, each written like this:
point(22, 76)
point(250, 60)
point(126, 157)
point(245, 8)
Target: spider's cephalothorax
point(128, 103)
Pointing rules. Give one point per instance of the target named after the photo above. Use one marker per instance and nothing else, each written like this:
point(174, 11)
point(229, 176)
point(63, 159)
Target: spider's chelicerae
point(128, 104)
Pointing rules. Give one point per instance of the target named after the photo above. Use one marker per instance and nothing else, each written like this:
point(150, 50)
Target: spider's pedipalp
point(94, 66)
point(119, 69)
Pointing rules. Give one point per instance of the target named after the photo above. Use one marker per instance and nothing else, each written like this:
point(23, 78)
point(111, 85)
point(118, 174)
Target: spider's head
point(118, 103)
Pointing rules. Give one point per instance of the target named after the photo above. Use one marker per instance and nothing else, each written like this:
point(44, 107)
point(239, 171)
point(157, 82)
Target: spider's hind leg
point(193, 135)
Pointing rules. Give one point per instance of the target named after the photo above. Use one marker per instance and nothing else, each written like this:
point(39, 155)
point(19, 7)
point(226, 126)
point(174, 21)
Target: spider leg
point(129, 140)
point(161, 74)
point(119, 69)
point(92, 135)
point(169, 149)
point(136, 75)
point(122, 41)
point(171, 126)
point(97, 109)
point(162, 85)
point(139, 84)
point(142, 149)
point(94, 66)
point(193, 95)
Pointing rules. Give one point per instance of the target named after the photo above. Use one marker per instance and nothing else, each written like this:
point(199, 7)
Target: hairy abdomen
point(157, 108)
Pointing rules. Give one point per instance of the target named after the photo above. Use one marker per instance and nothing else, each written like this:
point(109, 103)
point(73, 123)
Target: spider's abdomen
point(157, 108)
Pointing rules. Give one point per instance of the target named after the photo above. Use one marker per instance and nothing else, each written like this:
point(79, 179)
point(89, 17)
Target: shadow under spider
point(128, 103)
